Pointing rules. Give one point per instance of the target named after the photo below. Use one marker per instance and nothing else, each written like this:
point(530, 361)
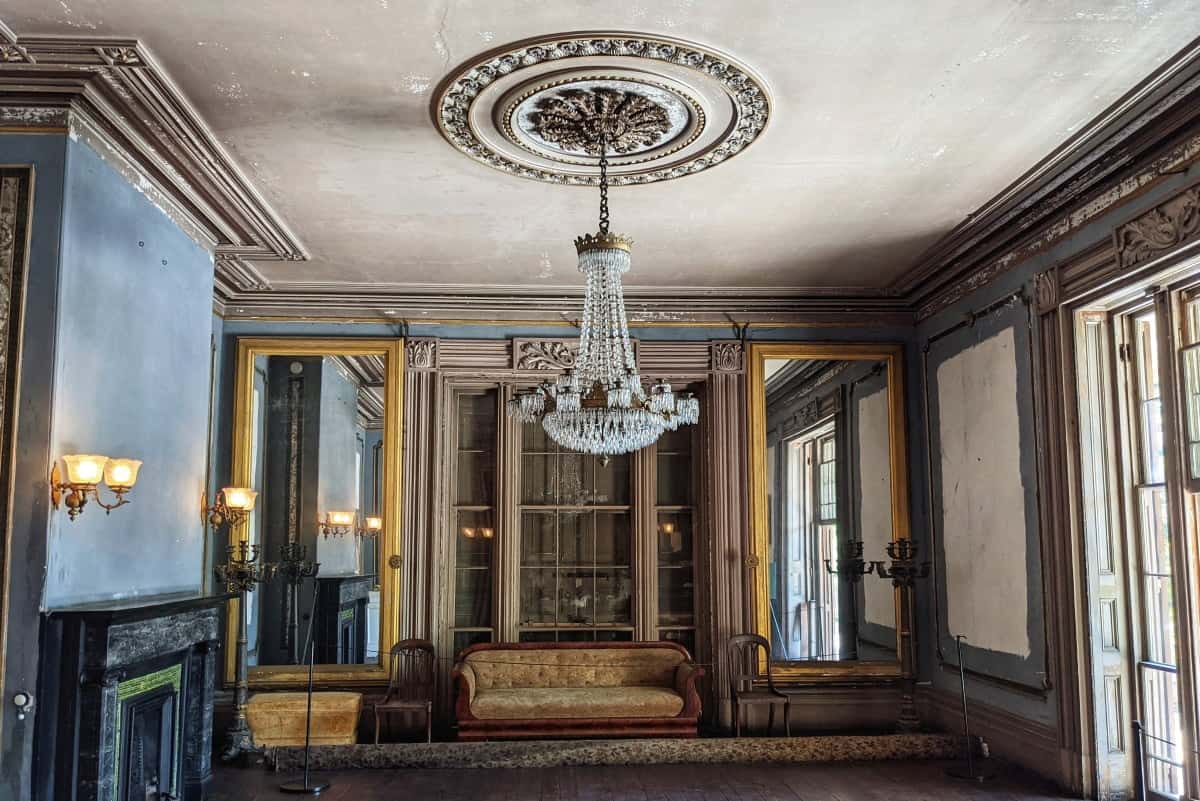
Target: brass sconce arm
point(74, 494)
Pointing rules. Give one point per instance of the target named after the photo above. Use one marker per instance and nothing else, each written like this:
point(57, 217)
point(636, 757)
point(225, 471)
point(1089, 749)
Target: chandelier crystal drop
point(601, 406)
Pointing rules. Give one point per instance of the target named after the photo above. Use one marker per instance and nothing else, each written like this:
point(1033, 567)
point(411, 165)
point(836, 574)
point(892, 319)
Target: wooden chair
point(743, 670)
point(411, 683)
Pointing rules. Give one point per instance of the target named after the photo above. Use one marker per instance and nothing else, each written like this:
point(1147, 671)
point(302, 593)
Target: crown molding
point(663, 305)
point(133, 107)
point(1079, 174)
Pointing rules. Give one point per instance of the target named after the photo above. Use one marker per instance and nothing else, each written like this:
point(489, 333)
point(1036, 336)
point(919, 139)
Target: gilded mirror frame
point(893, 356)
point(248, 349)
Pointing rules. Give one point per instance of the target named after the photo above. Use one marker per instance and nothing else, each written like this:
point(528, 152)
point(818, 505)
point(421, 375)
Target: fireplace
point(126, 695)
point(341, 625)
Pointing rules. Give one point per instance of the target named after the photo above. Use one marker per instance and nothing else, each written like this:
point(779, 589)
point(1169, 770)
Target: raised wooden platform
point(552, 754)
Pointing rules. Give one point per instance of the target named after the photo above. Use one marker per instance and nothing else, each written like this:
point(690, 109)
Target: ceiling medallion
point(572, 118)
point(527, 108)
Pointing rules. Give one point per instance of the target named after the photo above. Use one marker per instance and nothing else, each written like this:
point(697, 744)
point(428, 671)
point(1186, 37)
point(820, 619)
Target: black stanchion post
point(1139, 762)
point(971, 773)
point(306, 787)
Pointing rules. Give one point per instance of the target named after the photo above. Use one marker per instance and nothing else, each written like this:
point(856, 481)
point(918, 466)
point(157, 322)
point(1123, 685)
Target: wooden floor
point(872, 781)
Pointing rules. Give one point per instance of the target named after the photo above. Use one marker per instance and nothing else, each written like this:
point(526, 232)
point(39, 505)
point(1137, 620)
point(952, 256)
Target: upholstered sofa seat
point(555, 690)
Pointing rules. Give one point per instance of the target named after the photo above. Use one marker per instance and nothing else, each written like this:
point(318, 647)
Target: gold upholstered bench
point(278, 718)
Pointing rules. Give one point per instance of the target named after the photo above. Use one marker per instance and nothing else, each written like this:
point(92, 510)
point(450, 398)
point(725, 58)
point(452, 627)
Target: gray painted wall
point(131, 379)
point(30, 501)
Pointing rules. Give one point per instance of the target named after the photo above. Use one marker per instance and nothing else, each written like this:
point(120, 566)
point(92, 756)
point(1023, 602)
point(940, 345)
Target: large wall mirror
point(317, 434)
point(829, 494)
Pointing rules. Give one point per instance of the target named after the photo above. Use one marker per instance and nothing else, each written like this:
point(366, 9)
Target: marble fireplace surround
point(98, 661)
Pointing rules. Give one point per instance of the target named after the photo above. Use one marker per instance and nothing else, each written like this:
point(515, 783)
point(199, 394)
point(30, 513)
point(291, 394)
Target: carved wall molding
point(118, 86)
point(1164, 228)
point(1045, 291)
point(1115, 157)
point(728, 357)
point(422, 354)
point(544, 354)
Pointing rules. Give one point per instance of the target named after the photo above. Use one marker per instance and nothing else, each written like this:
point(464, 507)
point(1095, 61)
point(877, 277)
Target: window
point(1158, 662)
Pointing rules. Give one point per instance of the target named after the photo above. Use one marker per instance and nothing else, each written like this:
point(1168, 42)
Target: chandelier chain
point(603, 184)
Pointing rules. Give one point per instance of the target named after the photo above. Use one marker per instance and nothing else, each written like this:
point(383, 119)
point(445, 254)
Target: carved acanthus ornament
point(1045, 291)
point(727, 357)
point(575, 119)
point(422, 354)
point(1160, 230)
point(544, 355)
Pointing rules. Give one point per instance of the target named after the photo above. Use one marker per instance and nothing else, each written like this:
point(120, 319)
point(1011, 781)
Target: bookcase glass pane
point(577, 596)
point(477, 422)
point(475, 539)
point(612, 482)
point(473, 598)
point(539, 545)
point(675, 538)
point(576, 544)
point(613, 540)
point(538, 595)
point(614, 596)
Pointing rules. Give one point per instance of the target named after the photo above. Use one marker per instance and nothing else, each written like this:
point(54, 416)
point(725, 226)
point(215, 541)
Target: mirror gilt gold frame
point(893, 356)
point(391, 350)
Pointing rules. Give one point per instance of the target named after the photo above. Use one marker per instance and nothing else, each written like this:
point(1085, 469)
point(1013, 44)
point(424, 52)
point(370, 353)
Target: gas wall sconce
point(84, 474)
point(339, 524)
point(482, 532)
point(231, 507)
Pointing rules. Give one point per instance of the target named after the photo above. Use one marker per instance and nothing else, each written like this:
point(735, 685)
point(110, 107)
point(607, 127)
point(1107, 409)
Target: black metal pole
point(1139, 762)
point(971, 773)
point(306, 787)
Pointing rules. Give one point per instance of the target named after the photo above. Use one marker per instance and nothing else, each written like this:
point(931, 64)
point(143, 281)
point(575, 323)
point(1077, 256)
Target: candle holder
point(851, 564)
point(294, 566)
point(904, 569)
point(241, 573)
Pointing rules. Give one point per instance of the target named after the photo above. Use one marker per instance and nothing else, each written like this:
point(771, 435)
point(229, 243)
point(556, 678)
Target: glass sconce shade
point(374, 524)
point(121, 474)
point(85, 469)
point(239, 499)
point(339, 519)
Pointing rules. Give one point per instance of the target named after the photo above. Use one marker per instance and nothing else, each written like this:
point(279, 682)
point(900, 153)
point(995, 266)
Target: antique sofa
point(576, 689)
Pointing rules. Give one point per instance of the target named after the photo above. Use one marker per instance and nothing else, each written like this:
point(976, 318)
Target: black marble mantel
point(87, 652)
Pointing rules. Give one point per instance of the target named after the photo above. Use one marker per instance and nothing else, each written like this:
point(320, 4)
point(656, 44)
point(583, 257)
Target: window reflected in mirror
point(829, 510)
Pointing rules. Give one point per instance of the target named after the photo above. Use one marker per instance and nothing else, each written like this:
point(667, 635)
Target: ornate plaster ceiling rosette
point(670, 107)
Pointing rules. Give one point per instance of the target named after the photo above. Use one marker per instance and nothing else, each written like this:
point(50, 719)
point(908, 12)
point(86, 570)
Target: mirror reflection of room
point(829, 486)
point(316, 449)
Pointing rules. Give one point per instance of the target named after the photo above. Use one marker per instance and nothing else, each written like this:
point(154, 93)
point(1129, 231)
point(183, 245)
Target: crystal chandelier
point(601, 406)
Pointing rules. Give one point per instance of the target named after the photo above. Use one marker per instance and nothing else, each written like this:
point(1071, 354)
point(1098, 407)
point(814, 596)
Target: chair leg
point(787, 717)
point(737, 719)
point(376, 727)
point(429, 723)
point(771, 720)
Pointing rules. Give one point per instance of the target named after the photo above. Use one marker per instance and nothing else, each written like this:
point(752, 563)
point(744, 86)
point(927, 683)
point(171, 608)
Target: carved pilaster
point(1164, 228)
point(422, 411)
point(728, 357)
point(730, 601)
point(422, 354)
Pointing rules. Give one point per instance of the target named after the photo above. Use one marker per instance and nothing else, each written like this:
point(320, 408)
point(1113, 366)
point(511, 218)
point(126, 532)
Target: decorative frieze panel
point(422, 354)
point(1045, 291)
point(728, 357)
point(1162, 229)
point(476, 355)
point(544, 354)
point(667, 359)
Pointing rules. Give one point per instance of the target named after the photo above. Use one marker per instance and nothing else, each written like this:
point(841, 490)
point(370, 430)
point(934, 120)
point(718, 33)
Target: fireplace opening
point(148, 741)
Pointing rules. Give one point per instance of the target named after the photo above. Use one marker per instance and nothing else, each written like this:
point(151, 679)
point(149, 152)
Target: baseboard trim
point(1013, 738)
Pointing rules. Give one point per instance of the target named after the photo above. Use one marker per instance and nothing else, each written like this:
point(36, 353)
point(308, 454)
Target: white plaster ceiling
point(890, 123)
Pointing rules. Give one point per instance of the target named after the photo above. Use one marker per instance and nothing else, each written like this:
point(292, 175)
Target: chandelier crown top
point(603, 240)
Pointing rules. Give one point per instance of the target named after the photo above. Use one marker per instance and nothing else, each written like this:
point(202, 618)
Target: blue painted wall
point(131, 379)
